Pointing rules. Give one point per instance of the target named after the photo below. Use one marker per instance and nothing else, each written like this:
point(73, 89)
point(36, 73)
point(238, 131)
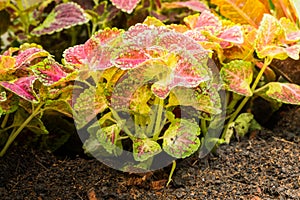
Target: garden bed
point(264, 165)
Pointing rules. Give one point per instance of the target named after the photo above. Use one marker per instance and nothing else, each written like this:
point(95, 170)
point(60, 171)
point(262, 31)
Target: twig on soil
point(283, 140)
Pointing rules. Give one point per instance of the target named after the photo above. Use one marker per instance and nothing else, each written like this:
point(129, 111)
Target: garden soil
point(262, 165)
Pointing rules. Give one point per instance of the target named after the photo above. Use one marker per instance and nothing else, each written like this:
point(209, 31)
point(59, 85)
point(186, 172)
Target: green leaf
point(229, 133)
point(243, 123)
point(206, 100)
point(108, 137)
point(2, 95)
point(181, 138)
point(144, 149)
point(88, 104)
point(60, 106)
point(237, 77)
point(60, 130)
point(35, 125)
point(93, 148)
point(64, 93)
point(139, 100)
point(283, 92)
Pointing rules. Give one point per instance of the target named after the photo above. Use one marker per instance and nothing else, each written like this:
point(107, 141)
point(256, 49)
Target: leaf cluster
point(151, 78)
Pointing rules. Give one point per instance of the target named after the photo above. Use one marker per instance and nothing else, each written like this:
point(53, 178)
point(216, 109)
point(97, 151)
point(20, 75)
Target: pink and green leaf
point(184, 75)
point(288, 93)
point(191, 4)
point(292, 32)
point(280, 52)
point(181, 138)
point(28, 55)
point(293, 51)
point(233, 34)
point(132, 59)
point(237, 77)
point(180, 56)
point(268, 31)
point(273, 39)
point(128, 85)
point(63, 16)
point(96, 53)
point(108, 137)
point(75, 56)
point(125, 5)
point(203, 21)
point(144, 149)
point(243, 51)
point(23, 87)
point(48, 71)
point(207, 27)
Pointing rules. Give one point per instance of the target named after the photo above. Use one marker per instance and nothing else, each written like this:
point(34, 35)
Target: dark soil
point(263, 165)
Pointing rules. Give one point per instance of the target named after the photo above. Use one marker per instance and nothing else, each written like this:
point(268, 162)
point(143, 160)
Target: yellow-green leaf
point(237, 76)
point(241, 11)
point(282, 92)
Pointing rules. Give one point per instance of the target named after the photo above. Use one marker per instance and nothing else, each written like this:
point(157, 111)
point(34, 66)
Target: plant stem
point(3, 124)
point(235, 99)
point(149, 130)
point(203, 126)
point(123, 126)
point(171, 172)
point(158, 119)
point(14, 134)
point(267, 62)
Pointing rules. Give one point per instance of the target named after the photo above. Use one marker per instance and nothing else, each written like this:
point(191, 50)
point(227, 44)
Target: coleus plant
point(148, 87)
point(156, 56)
point(149, 94)
point(32, 82)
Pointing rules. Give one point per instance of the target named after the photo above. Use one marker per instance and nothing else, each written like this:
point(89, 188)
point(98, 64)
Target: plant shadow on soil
point(263, 165)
